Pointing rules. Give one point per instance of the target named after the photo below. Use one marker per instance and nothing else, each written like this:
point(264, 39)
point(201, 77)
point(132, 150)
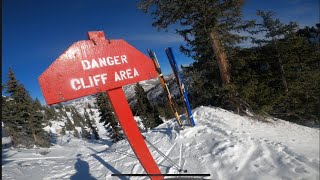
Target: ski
point(165, 86)
point(179, 80)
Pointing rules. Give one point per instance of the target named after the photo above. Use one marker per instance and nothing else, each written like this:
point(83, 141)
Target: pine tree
point(275, 30)
point(11, 122)
point(19, 112)
point(37, 104)
point(208, 24)
point(91, 124)
point(78, 121)
point(77, 118)
point(165, 111)
point(21, 115)
point(85, 133)
point(89, 106)
point(208, 29)
point(50, 113)
point(148, 113)
point(37, 124)
point(257, 73)
point(108, 118)
point(60, 109)
point(91, 112)
point(69, 125)
point(76, 133)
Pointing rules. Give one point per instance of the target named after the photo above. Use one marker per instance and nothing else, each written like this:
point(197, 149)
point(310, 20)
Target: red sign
point(93, 66)
point(99, 65)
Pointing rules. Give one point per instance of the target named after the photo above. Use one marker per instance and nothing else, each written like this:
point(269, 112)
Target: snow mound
point(222, 144)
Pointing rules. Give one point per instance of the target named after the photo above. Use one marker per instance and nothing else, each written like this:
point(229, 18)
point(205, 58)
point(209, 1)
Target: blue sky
point(35, 33)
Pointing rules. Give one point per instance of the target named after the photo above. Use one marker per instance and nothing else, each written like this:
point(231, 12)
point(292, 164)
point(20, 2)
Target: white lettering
point(90, 79)
point(116, 60)
point(102, 62)
point(83, 84)
point(85, 64)
point(123, 75)
point(116, 77)
point(128, 71)
point(94, 64)
point(96, 79)
point(80, 83)
point(73, 83)
point(135, 72)
point(124, 59)
point(127, 74)
point(104, 78)
point(110, 61)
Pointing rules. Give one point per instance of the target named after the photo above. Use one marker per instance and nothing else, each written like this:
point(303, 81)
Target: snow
point(222, 144)
point(55, 128)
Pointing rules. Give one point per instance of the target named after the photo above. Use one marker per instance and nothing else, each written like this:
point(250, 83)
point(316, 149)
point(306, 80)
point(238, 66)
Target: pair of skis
point(165, 86)
point(178, 78)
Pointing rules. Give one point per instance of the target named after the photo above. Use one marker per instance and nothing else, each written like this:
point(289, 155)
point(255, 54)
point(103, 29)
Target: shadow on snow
point(107, 165)
point(82, 168)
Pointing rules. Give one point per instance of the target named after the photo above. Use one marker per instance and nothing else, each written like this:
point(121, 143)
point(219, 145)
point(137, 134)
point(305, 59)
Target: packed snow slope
point(222, 144)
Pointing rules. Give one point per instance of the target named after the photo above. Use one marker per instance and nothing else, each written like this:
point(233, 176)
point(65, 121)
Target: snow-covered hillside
point(222, 144)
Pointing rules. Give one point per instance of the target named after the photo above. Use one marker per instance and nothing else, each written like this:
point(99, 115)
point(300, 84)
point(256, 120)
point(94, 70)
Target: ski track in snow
point(222, 144)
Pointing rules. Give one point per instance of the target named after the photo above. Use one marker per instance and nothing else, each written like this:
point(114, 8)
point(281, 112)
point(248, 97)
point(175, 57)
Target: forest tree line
point(277, 75)
point(24, 118)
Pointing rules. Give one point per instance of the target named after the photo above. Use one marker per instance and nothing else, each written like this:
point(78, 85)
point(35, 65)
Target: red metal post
point(132, 132)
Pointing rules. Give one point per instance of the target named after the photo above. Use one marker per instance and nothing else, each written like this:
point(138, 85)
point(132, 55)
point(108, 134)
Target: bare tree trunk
point(283, 77)
point(282, 72)
point(221, 56)
point(35, 137)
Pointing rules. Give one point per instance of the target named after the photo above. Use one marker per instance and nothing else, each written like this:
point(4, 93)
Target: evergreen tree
point(60, 109)
point(108, 118)
point(67, 109)
point(37, 123)
point(78, 121)
point(12, 123)
point(37, 104)
point(165, 111)
point(77, 118)
point(208, 24)
point(312, 34)
point(91, 124)
point(209, 30)
point(19, 112)
point(20, 115)
point(69, 125)
point(91, 112)
point(85, 133)
point(292, 62)
point(275, 30)
point(148, 113)
point(257, 73)
point(50, 113)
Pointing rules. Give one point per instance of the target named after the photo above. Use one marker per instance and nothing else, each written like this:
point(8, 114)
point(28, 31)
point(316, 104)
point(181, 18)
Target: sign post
point(99, 65)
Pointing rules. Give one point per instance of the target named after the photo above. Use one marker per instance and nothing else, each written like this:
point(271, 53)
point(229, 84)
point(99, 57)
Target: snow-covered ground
point(222, 144)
